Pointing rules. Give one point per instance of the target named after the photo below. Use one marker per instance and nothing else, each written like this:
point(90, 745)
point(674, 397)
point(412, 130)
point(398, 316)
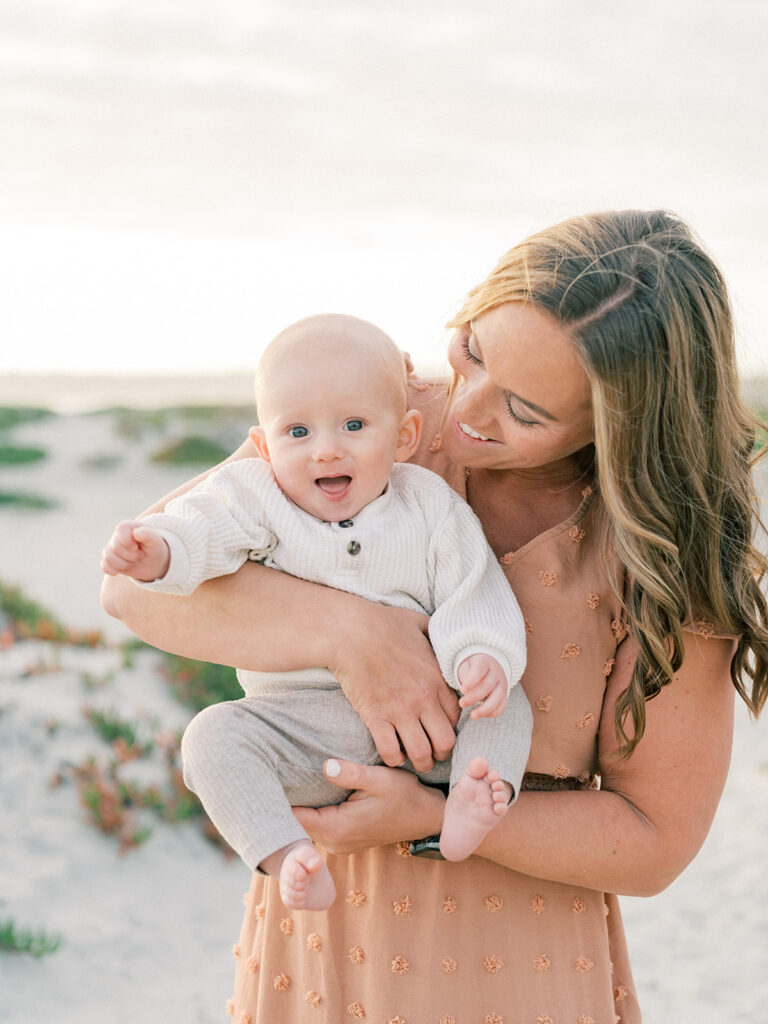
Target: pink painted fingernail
point(332, 768)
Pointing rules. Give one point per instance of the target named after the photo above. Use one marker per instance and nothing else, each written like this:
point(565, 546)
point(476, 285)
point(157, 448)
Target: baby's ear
point(408, 438)
point(259, 439)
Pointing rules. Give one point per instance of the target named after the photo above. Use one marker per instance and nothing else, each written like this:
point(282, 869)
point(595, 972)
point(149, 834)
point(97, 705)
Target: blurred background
point(180, 178)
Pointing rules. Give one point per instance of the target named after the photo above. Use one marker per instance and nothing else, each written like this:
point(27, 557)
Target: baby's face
point(332, 433)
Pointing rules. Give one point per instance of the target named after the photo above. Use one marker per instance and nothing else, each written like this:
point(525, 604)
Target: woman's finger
point(449, 706)
point(440, 731)
point(346, 774)
point(386, 742)
point(395, 685)
point(343, 828)
point(415, 742)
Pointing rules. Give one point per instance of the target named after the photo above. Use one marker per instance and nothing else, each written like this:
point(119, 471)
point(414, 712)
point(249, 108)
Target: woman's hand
point(387, 805)
point(388, 671)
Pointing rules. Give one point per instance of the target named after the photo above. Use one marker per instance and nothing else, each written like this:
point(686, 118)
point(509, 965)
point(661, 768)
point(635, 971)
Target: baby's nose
point(327, 448)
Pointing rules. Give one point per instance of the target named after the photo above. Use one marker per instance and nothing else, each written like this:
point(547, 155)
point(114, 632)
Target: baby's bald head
point(331, 345)
point(333, 411)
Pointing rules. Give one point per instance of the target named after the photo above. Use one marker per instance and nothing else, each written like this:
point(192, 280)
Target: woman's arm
point(653, 812)
point(260, 618)
point(633, 836)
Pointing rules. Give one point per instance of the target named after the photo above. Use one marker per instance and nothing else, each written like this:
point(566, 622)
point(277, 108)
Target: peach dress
point(412, 940)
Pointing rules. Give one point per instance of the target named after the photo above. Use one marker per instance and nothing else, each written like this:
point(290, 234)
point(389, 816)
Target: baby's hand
point(484, 683)
point(137, 551)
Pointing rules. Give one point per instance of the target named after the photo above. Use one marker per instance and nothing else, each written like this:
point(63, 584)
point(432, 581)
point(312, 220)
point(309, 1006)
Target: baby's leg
point(239, 760)
point(228, 763)
point(474, 806)
point(479, 795)
point(305, 881)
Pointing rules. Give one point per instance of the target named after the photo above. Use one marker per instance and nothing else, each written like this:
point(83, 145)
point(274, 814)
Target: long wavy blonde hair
point(649, 314)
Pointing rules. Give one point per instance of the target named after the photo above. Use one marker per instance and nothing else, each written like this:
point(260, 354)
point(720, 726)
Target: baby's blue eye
point(298, 431)
point(353, 425)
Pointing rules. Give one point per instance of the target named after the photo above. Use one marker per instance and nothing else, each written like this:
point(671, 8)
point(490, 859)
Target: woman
point(594, 425)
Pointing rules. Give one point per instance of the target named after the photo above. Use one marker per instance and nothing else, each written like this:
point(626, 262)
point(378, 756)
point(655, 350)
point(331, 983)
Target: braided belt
point(539, 783)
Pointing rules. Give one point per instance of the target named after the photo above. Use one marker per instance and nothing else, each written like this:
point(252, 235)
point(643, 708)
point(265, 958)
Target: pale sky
point(181, 178)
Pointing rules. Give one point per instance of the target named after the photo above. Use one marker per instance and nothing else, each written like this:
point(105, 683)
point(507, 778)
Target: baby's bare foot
point(474, 806)
point(305, 881)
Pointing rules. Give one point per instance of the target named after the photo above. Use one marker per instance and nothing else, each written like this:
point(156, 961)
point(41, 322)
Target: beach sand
point(148, 933)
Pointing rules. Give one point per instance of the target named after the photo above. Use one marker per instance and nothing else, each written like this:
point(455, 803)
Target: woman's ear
point(259, 439)
point(409, 435)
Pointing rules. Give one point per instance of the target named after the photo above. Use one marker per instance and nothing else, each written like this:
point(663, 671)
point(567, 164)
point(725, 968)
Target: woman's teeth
point(473, 433)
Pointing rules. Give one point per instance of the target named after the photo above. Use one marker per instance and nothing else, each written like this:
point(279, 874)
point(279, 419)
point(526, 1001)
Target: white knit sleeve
point(217, 526)
point(475, 609)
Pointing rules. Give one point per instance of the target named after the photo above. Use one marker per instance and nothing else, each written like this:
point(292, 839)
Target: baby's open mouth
point(333, 484)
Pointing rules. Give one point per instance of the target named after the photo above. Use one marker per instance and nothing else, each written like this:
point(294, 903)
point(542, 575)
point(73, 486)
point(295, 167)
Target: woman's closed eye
point(519, 419)
point(467, 350)
point(473, 357)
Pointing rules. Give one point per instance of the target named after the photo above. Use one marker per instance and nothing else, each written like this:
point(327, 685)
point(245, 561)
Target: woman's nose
point(473, 393)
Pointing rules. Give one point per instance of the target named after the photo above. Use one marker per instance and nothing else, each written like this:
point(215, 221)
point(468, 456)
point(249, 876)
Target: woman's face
point(523, 399)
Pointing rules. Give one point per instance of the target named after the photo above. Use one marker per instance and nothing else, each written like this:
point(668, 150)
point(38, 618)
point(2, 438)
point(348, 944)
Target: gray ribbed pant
point(249, 760)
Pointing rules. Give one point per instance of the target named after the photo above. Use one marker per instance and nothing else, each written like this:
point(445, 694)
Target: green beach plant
point(94, 681)
point(128, 649)
point(191, 450)
point(108, 802)
point(115, 805)
point(12, 415)
point(25, 499)
point(15, 455)
point(761, 440)
point(134, 424)
point(216, 413)
point(137, 423)
point(123, 735)
point(23, 940)
point(200, 683)
point(26, 618)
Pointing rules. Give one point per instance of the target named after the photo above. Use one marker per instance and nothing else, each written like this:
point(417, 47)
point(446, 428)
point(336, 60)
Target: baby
point(332, 500)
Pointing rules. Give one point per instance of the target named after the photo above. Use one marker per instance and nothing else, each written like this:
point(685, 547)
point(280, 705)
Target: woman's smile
point(472, 433)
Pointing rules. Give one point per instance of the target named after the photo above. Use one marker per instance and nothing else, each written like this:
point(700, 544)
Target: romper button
point(345, 523)
point(353, 547)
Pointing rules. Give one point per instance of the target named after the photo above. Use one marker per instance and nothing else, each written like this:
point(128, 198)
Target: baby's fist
point(483, 682)
point(137, 551)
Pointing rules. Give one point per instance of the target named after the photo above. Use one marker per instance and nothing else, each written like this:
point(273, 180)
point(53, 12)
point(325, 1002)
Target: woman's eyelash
point(518, 419)
point(468, 352)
